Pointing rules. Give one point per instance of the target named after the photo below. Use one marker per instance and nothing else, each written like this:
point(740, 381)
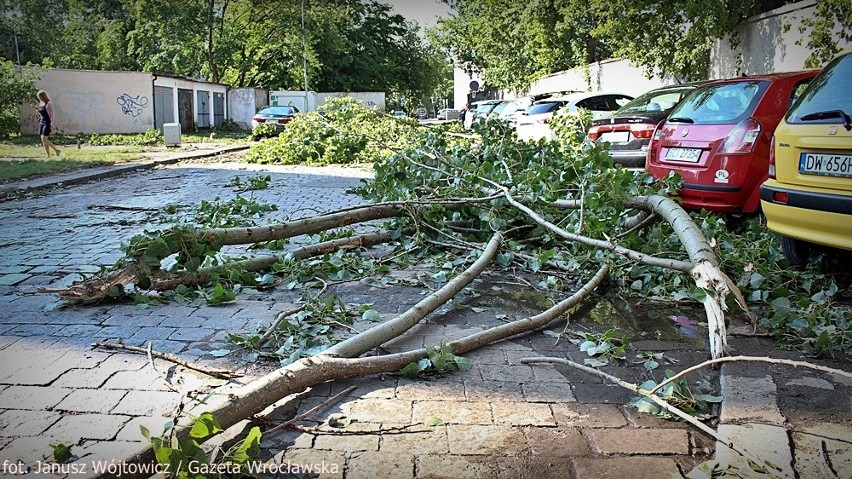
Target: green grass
point(17, 162)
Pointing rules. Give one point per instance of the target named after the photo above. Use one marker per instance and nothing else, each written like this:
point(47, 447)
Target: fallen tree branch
point(217, 373)
point(660, 402)
point(318, 407)
point(254, 397)
point(759, 359)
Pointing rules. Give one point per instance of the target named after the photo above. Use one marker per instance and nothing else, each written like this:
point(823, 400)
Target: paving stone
point(624, 467)
point(487, 356)
point(38, 374)
point(96, 377)
point(516, 373)
point(181, 322)
point(35, 330)
point(142, 321)
point(131, 430)
point(639, 441)
point(750, 399)
point(557, 441)
point(366, 465)
point(588, 415)
point(116, 332)
point(13, 279)
point(350, 442)
point(367, 387)
point(152, 333)
point(32, 397)
point(379, 410)
point(148, 403)
point(331, 463)
point(191, 334)
point(534, 466)
point(166, 345)
point(493, 391)
point(452, 467)
point(91, 400)
point(439, 390)
point(547, 392)
point(768, 442)
point(484, 440)
point(549, 373)
point(820, 445)
point(453, 412)
point(80, 330)
point(522, 414)
point(811, 382)
point(12, 269)
point(88, 426)
point(26, 423)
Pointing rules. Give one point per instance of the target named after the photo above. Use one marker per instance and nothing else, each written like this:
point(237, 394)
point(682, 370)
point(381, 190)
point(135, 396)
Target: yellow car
point(808, 197)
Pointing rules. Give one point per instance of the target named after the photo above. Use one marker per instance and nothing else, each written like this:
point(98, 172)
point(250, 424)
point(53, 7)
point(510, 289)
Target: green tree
point(831, 26)
point(18, 86)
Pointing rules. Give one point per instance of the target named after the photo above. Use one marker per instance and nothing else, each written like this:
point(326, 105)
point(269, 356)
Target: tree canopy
point(347, 45)
point(514, 43)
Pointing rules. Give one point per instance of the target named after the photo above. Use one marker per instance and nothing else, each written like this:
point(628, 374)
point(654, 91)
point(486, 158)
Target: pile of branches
point(547, 207)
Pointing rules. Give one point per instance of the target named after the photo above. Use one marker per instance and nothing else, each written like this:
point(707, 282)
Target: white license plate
point(825, 164)
point(691, 155)
point(615, 137)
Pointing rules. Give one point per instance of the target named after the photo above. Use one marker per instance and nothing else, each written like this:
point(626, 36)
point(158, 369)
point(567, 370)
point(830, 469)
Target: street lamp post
point(304, 56)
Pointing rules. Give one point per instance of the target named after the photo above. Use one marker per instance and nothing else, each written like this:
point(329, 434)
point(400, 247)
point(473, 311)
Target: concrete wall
point(609, 75)
point(87, 101)
point(370, 99)
point(764, 45)
point(193, 117)
point(243, 103)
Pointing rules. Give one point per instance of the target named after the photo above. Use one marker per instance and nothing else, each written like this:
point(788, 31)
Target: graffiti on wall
point(132, 105)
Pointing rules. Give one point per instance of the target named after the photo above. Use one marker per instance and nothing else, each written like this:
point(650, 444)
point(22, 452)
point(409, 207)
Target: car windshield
point(544, 107)
point(278, 110)
point(828, 94)
point(720, 103)
point(657, 100)
point(484, 108)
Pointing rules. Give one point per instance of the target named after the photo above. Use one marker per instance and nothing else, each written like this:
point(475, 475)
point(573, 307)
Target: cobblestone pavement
point(500, 419)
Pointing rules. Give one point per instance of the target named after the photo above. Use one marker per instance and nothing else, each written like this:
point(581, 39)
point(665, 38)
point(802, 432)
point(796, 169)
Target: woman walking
point(46, 121)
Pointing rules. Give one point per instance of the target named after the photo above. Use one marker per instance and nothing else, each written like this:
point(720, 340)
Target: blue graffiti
point(132, 105)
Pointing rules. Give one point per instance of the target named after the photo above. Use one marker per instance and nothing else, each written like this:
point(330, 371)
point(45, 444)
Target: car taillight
point(594, 133)
point(642, 131)
point(543, 120)
point(258, 119)
point(286, 119)
point(781, 197)
point(742, 138)
point(654, 148)
point(772, 158)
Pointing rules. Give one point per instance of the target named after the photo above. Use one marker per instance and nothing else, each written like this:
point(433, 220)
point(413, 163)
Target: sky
point(424, 12)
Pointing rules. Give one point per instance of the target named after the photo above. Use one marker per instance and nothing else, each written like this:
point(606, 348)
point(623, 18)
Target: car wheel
point(796, 251)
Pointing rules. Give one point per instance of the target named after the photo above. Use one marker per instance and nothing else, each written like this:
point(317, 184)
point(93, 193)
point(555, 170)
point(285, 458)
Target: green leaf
point(434, 421)
point(463, 364)
point(249, 449)
point(411, 371)
point(218, 353)
point(205, 427)
point(371, 315)
point(61, 453)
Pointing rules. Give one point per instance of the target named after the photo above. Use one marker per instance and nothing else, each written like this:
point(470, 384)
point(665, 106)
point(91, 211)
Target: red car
point(718, 139)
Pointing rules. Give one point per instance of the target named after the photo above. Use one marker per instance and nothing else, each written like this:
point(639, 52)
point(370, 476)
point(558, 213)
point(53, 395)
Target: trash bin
point(171, 134)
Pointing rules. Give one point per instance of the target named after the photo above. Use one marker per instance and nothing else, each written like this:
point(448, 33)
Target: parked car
point(534, 123)
point(398, 114)
point(808, 196)
point(498, 108)
point(447, 114)
point(279, 115)
point(421, 114)
point(479, 110)
point(515, 108)
point(718, 139)
point(629, 130)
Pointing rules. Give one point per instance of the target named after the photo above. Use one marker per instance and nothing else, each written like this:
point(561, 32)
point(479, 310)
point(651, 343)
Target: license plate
point(825, 164)
point(615, 137)
point(690, 155)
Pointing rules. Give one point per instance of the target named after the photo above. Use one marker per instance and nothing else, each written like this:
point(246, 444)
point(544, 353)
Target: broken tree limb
point(218, 373)
point(660, 402)
point(261, 263)
point(758, 359)
point(388, 330)
point(254, 397)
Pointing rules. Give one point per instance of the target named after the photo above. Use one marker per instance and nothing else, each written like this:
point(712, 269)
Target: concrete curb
point(12, 190)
